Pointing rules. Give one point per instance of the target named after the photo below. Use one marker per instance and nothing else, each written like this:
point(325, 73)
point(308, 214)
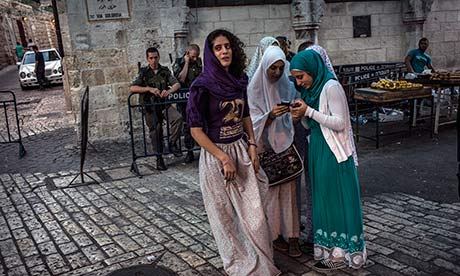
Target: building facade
point(19, 23)
point(103, 50)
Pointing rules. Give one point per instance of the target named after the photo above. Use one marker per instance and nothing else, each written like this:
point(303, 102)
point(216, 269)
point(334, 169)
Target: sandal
point(294, 249)
point(328, 265)
point(280, 244)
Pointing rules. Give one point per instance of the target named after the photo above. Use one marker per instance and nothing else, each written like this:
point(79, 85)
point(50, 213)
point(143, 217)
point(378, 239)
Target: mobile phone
point(285, 103)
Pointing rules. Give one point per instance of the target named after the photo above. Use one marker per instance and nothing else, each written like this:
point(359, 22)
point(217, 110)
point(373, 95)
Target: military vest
point(159, 80)
point(194, 70)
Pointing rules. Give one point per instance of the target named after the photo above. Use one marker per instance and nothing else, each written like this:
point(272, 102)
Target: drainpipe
point(58, 28)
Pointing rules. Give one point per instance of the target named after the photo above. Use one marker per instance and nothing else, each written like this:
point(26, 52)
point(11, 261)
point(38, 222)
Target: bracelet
point(271, 116)
point(252, 144)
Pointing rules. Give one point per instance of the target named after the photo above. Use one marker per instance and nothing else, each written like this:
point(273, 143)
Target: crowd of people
point(236, 113)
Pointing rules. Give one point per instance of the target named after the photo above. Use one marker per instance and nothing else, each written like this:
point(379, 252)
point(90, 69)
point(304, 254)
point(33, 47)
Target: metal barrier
point(84, 113)
point(178, 97)
point(5, 101)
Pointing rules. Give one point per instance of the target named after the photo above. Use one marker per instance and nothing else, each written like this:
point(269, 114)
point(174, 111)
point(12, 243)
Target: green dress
point(337, 214)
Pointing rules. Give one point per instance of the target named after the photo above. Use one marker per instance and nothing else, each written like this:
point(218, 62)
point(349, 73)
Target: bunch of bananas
point(394, 85)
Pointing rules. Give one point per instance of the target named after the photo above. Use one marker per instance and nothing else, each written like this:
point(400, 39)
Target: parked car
point(53, 68)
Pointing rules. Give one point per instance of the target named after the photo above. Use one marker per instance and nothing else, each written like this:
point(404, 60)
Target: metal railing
point(8, 98)
point(178, 97)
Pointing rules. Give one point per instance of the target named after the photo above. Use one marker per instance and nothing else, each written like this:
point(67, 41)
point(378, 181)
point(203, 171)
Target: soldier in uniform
point(155, 83)
point(186, 69)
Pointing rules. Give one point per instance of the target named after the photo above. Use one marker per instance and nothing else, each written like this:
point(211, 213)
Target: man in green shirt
point(154, 84)
point(19, 51)
point(417, 59)
point(186, 69)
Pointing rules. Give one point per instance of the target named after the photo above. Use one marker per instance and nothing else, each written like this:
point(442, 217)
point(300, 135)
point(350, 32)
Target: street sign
point(107, 9)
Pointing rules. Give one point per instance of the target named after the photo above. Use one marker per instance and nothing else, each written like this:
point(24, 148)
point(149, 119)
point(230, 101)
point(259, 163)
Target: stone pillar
point(180, 42)
point(181, 31)
point(306, 18)
point(414, 13)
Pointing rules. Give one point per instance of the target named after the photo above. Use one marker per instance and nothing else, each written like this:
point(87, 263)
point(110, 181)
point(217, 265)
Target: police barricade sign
point(179, 96)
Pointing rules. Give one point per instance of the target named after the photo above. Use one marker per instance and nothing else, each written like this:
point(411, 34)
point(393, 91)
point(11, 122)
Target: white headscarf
point(263, 96)
point(322, 52)
point(255, 60)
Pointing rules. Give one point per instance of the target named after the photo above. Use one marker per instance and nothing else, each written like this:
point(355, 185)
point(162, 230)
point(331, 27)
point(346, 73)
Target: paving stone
point(428, 267)
point(120, 258)
point(203, 251)
point(112, 229)
point(126, 243)
point(8, 248)
point(172, 262)
point(448, 265)
point(77, 260)
point(71, 227)
point(67, 248)
point(191, 258)
point(39, 270)
point(82, 240)
point(156, 234)
point(184, 239)
point(112, 250)
point(93, 253)
point(12, 261)
point(87, 270)
point(47, 248)
point(56, 264)
point(150, 250)
point(20, 270)
point(59, 236)
point(208, 270)
point(27, 247)
point(33, 261)
point(379, 248)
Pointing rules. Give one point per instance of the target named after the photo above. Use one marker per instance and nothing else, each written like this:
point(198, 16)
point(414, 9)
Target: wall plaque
point(362, 26)
point(107, 9)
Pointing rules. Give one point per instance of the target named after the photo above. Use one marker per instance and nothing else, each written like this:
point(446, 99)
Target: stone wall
point(249, 23)
point(104, 55)
point(38, 25)
point(442, 28)
point(387, 31)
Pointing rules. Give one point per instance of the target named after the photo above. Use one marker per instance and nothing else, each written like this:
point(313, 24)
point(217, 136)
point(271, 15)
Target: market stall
point(439, 82)
point(380, 96)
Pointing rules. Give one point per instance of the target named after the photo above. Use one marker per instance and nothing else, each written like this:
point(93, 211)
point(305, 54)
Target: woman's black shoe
point(190, 157)
point(161, 166)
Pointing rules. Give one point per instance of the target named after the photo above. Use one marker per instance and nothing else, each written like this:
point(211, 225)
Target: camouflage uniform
point(194, 70)
point(154, 115)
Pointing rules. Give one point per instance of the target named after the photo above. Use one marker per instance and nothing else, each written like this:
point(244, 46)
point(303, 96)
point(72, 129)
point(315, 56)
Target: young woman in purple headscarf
point(230, 180)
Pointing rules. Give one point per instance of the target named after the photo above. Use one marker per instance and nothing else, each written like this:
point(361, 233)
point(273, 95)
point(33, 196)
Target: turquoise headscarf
point(311, 62)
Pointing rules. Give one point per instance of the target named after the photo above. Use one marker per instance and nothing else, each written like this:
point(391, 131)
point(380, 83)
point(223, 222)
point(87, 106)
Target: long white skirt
point(236, 214)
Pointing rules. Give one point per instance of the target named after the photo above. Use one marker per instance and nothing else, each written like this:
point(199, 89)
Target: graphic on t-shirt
point(235, 111)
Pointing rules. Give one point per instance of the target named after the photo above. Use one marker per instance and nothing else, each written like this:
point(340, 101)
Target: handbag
point(281, 167)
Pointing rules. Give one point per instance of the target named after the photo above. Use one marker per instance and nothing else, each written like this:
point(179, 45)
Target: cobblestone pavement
point(50, 228)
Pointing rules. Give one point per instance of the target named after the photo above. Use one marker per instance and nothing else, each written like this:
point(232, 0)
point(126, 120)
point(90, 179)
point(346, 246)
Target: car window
point(29, 58)
point(50, 56)
point(47, 55)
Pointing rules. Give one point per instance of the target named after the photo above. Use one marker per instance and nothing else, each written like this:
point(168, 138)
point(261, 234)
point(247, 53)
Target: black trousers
point(188, 139)
point(41, 79)
point(154, 118)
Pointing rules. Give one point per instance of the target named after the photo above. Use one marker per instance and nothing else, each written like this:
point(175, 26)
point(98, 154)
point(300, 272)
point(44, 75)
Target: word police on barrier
point(179, 96)
point(356, 68)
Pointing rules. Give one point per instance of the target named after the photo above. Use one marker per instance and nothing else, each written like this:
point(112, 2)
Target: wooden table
point(380, 97)
point(438, 85)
